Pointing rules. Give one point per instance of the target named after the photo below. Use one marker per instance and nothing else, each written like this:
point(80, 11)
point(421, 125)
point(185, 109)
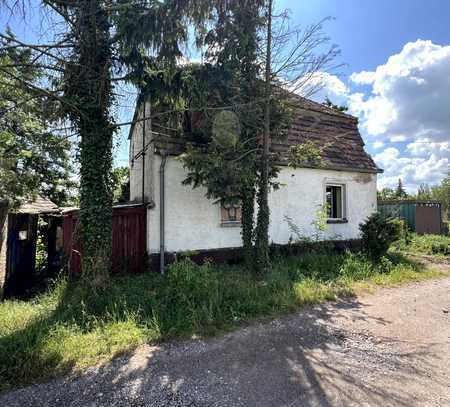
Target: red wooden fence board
point(129, 227)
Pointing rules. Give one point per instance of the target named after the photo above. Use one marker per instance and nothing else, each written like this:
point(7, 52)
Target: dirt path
point(391, 348)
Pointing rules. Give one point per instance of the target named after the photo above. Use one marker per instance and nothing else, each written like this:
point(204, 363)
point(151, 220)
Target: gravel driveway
point(391, 348)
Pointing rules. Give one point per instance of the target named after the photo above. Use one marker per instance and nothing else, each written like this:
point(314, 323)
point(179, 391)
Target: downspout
point(143, 156)
point(162, 213)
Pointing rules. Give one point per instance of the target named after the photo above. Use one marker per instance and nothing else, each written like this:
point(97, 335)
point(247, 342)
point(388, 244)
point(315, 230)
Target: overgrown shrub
point(378, 232)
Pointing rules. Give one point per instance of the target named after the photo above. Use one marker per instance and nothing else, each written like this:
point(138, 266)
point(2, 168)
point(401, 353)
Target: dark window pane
point(334, 200)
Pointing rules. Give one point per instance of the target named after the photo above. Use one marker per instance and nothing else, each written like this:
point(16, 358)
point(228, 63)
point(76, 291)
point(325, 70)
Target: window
point(231, 214)
point(335, 200)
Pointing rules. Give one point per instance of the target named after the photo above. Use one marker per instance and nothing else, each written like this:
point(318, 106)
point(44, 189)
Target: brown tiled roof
point(334, 133)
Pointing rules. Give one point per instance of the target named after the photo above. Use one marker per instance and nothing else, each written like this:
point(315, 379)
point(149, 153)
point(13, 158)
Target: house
point(181, 218)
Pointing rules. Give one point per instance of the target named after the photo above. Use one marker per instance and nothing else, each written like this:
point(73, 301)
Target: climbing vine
point(88, 86)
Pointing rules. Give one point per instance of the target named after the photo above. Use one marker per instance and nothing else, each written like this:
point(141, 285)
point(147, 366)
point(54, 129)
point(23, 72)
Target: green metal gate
point(403, 210)
point(422, 217)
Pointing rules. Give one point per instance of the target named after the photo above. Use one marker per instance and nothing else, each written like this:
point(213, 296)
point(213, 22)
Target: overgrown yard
point(433, 245)
point(70, 327)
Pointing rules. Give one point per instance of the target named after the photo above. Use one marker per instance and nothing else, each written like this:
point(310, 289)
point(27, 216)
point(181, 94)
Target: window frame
point(343, 186)
point(229, 223)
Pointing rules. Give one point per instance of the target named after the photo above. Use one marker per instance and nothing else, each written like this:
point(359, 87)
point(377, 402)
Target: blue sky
point(401, 51)
point(396, 78)
point(368, 32)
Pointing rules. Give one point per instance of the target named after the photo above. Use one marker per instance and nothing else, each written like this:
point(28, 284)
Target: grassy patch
point(432, 245)
point(72, 327)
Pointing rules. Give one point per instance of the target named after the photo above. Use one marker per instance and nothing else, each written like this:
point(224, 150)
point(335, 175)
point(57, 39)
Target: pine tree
point(400, 191)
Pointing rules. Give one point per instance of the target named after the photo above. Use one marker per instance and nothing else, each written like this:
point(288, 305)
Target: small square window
point(23, 234)
point(231, 213)
point(335, 200)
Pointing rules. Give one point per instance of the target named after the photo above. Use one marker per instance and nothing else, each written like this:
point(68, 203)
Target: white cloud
point(412, 170)
point(409, 101)
point(410, 94)
point(406, 100)
point(425, 147)
point(398, 139)
point(322, 85)
point(363, 78)
point(377, 144)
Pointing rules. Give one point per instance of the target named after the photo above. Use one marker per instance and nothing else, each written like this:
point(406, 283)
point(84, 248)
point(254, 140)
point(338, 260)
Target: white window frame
point(343, 187)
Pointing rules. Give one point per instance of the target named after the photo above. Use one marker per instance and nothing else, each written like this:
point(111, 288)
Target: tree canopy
point(34, 159)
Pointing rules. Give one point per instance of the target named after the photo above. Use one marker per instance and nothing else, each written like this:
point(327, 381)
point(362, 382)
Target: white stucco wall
point(136, 146)
point(193, 222)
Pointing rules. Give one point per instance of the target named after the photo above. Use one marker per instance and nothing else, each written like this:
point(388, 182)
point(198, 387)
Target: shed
point(422, 217)
point(19, 243)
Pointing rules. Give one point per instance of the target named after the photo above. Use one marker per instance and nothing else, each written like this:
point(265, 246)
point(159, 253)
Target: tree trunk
point(93, 93)
point(262, 228)
point(248, 209)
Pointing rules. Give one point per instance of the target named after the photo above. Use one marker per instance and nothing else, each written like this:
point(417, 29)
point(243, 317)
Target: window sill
point(337, 221)
point(230, 224)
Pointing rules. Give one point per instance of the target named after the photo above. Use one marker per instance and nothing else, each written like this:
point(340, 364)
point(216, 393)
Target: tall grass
point(72, 327)
point(433, 245)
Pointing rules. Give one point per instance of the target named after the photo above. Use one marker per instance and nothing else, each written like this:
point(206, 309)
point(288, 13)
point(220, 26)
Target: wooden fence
point(129, 230)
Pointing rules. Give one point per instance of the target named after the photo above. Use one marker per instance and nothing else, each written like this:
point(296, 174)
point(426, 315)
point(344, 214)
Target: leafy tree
point(292, 59)
point(223, 157)
point(99, 41)
point(34, 160)
point(386, 193)
point(248, 83)
point(441, 193)
point(121, 184)
point(424, 192)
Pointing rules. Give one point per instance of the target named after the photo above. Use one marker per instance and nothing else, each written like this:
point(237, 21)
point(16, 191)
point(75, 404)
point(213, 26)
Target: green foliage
point(248, 209)
point(424, 192)
point(141, 41)
point(319, 223)
point(192, 294)
point(262, 246)
point(441, 193)
point(339, 108)
point(386, 194)
point(400, 191)
point(87, 84)
point(72, 326)
point(378, 232)
point(426, 244)
point(305, 154)
point(33, 160)
point(121, 184)
point(356, 267)
point(41, 245)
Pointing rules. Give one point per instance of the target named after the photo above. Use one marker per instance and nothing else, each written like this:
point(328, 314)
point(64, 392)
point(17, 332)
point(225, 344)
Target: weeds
point(432, 245)
point(72, 326)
